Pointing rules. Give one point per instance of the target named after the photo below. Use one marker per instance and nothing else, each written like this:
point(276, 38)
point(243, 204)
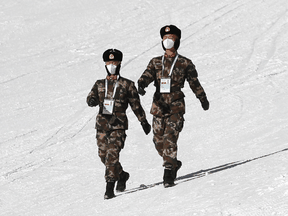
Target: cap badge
point(167, 29)
point(111, 56)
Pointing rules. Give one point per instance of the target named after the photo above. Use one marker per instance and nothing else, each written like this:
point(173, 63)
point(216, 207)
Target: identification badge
point(165, 85)
point(108, 106)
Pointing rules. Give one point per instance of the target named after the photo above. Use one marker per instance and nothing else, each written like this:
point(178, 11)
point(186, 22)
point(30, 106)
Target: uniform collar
point(112, 77)
point(171, 55)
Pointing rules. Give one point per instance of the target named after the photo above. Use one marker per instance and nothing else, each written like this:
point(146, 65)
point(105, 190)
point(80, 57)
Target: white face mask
point(111, 68)
point(168, 43)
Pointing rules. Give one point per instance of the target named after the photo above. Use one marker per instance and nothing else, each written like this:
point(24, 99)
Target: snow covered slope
point(234, 156)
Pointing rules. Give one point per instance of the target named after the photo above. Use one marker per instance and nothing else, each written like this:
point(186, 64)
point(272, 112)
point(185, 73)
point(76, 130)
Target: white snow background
point(235, 155)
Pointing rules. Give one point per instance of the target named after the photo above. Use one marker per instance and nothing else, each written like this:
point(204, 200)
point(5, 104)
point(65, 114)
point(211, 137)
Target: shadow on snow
point(201, 173)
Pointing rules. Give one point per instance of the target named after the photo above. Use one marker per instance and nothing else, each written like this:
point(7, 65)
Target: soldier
point(169, 73)
point(113, 95)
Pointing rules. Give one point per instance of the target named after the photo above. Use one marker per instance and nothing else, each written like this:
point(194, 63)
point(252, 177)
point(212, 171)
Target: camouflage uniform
point(111, 128)
point(168, 108)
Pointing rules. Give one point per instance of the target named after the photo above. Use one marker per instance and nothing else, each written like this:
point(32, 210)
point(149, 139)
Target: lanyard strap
point(106, 88)
point(172, 67)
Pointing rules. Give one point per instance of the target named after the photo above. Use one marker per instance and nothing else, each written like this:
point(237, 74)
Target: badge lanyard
point(106, 88)
point(165, 83)
point(108, 104)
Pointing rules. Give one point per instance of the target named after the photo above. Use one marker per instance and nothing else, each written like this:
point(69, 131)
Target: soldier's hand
point(205, 103)
point(157, 96)
point(92, 102)
point(141, 91)
point(146, 126)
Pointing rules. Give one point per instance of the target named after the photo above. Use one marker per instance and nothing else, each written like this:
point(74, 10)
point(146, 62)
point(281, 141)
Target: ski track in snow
point(234, 155)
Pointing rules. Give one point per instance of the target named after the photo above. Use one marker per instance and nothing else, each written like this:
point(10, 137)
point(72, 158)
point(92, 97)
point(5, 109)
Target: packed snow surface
point(234, 155)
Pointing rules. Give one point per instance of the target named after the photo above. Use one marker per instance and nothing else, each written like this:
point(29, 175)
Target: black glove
point(92, 102)
point(205, 103)
point(157, 96)
point(141, 90)
point(146, 126)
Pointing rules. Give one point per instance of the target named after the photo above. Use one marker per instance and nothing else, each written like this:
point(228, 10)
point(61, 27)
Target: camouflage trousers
point(166, 133)
point(109, 147)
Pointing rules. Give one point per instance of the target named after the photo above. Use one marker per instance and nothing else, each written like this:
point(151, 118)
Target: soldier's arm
point(192, 78)
point(93, 98)
point(134, 101)
point(138, 110)
point(148, 75)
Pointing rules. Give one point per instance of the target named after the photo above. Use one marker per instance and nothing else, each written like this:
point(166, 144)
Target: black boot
point(109, 190)
point(179, 164)
point(168, 178)
point(121, 184)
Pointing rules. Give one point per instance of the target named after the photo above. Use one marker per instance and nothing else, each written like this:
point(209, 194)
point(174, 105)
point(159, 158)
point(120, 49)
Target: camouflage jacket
point(165, 104)
point(126, 93)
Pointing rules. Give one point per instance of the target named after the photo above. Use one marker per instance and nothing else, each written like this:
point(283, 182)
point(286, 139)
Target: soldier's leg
point(102, 145)
point(174, 125)
point(116, 141)
point(158, 131)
